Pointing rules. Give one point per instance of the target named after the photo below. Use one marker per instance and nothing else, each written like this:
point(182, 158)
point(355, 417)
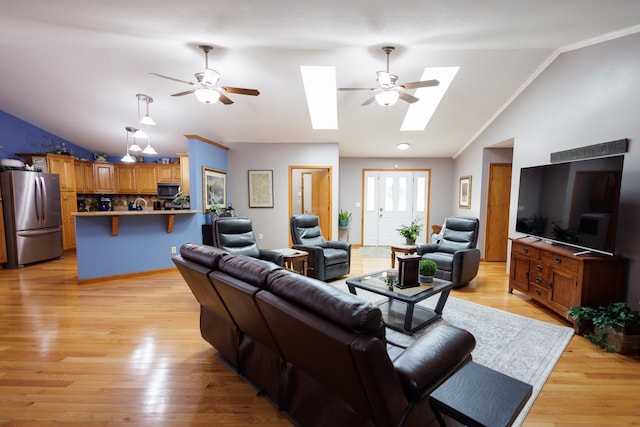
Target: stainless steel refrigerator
point(32, 217)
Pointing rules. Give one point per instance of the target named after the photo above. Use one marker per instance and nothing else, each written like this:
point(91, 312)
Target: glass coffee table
point(399, 310)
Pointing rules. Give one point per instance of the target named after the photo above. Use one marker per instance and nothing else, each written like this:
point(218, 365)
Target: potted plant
point(343, 218)
point(184, 200)
point(410, 232)
point(616, 327)
point(426, 270)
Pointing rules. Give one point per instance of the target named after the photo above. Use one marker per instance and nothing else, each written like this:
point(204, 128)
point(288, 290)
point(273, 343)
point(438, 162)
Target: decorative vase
point(425, 279)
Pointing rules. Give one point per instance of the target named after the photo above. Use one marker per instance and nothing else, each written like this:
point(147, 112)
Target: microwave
point(168, 190)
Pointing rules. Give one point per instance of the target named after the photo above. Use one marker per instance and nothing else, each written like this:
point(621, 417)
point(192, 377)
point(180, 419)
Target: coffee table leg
point(442, 300)
point(408, 317)
point(393, 258)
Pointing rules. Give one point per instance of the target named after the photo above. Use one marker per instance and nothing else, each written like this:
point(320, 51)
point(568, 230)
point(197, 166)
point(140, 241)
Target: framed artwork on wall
point(464, 195)
point(260, 188)
point(214, 188)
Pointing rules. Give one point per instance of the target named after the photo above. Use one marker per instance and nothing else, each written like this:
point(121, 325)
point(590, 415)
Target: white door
point(393, 198)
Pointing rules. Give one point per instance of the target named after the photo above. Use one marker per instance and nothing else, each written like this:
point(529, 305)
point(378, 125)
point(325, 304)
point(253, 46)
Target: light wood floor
point(129, 352)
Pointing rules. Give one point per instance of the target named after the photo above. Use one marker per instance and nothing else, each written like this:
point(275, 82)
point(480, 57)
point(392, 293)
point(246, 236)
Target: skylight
point(320, 88)
point(420, 113)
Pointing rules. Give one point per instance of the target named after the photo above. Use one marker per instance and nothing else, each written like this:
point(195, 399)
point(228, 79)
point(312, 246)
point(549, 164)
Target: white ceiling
point(73, 67)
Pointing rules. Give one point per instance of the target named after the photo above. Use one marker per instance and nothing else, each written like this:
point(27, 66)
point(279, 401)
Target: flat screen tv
point(574, 203)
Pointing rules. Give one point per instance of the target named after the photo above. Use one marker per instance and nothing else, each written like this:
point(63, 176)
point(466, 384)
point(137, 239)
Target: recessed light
point(403, 146)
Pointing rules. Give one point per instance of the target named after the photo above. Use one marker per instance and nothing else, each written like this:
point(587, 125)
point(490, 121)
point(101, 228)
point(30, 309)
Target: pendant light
point(134, 147)
point(146, 120)
point(128, 158)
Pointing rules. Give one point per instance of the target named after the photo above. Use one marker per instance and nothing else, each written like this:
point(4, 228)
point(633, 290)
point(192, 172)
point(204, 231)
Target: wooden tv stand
point(556, 277)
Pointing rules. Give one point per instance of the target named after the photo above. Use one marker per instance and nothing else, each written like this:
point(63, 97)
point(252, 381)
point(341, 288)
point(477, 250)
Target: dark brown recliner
point(328, 259)
point(456, 254)
point(235, 235)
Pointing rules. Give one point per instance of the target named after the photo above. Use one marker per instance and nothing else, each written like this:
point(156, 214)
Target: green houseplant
point(343, 218)
point(426, 270)
point(410, 232)
point(616, 327)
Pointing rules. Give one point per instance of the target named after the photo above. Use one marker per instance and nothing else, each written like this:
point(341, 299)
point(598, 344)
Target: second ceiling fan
point(205, 87)
point(389, 90)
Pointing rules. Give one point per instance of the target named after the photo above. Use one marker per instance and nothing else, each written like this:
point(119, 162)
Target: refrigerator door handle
point(42, 232)
point(38, 200)
point(43, 198)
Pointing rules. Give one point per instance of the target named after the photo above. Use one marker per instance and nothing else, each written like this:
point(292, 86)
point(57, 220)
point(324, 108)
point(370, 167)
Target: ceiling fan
point(389, 90)
point(205, 87)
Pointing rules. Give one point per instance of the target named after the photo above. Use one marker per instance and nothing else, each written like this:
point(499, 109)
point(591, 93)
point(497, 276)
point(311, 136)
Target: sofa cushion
point(208, 256)
point(341, 308)
point(251, 270)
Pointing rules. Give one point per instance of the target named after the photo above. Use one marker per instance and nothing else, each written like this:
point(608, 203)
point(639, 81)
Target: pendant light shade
point(146, 120)
point(134, 147)
point(128, 158)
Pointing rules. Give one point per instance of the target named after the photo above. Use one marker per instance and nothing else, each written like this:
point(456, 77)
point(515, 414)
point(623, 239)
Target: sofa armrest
point(273, 256)
point(337, 244)
point(465, 265)
point(316, 255)
point(422, 249)
point(432, 359)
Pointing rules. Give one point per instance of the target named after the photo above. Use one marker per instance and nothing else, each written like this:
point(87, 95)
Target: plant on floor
point(344, 217)
point(616, 316)
point(410, 232)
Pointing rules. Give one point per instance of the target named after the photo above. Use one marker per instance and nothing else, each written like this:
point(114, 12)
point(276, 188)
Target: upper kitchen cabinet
point(84, 176)
point(104, 178)
point(184, 173)
point(169, 173)
point(127, 179)
point(63, 166)
point(147, 182)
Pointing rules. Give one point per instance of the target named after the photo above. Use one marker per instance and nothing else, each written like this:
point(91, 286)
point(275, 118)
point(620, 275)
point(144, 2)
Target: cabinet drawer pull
point(558, 261)
point(538, 292)
point(539, 267)
point(525, 250)
point(538, 280)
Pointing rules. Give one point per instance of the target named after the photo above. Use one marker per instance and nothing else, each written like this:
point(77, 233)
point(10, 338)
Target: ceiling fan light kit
point(389, 90)
point(205, 89)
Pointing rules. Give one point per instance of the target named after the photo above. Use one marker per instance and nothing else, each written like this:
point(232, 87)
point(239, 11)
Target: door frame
point(303, 168)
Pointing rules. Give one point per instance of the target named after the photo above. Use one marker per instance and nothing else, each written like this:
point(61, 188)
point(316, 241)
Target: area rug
point(523, 348)
point(375, 252)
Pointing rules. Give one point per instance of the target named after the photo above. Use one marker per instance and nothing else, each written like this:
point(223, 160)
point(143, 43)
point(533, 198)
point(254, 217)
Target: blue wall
point(18, 136)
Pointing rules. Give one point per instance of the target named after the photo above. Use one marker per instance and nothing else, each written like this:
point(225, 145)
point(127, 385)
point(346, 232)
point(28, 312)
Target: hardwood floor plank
point(129, 352)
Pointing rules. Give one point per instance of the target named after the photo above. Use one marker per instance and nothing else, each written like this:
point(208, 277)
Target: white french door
point(391, 199)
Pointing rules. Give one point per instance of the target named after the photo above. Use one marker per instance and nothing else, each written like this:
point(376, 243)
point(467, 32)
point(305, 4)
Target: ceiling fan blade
point(415, 85)
point(225, 100)
point(186, 92)
point(171, 78)
point(241, 91)
point(368, 101)
point(408, 98)
point(356, 88)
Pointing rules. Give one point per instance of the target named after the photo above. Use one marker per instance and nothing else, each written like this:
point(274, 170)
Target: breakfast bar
point(117, 243)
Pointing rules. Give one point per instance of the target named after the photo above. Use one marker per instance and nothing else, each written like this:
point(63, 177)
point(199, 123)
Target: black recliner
point(328, 259)
point(235, 235)
point(456, 254)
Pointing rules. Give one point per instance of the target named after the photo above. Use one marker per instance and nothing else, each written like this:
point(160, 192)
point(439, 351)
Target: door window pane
point(421, 192)
point(402, 194)
point(370, 198)
point(388, 194)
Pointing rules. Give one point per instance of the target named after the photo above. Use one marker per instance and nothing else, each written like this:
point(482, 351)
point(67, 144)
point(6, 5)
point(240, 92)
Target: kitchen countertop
point(134, 213)
point(115, 216)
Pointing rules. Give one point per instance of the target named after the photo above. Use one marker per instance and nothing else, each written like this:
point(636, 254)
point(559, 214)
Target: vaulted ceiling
point(74, 67)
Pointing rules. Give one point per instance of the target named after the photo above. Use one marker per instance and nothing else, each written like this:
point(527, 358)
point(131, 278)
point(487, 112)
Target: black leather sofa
point(318, 353)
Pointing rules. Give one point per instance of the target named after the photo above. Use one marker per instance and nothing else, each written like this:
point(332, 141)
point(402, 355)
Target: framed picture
point(260, 188)
point(464, 195)
point(214, 188)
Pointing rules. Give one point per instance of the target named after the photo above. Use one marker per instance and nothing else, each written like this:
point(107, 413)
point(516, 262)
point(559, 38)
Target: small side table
point(405, 249)
point(478, 396)
point(290, 256)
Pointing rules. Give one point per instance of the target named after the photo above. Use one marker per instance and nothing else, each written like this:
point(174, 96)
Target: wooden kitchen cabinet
point(147, 178)
point(68, 204)
point(104, 177)
point(556, 278)
point(127, 179)
point(63, 166)
point(84, 176)
point(169, 173)
point(184, 173)
point(3, 239)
